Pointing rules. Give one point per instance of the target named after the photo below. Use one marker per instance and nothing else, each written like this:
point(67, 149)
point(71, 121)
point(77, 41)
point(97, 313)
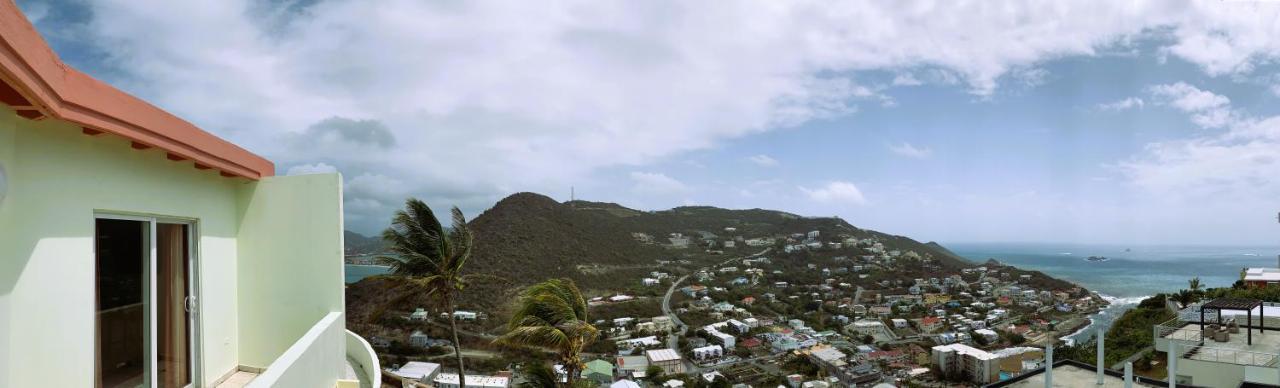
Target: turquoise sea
point(1132, 273)
point(356, 272)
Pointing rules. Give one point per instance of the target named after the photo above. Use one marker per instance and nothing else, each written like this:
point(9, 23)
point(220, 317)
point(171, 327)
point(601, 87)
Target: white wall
point(290, 271)
point(314, 360)
point(58, 177)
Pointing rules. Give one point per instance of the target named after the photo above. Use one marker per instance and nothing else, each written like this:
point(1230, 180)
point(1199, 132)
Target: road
point(673, 340)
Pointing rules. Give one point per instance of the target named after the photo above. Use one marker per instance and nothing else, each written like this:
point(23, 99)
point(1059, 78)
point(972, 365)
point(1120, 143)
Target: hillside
point(358, 244)
point(529, 237)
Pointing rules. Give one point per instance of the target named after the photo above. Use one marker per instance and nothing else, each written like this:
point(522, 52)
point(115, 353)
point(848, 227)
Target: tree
point(538, 375)
point(553, 315)
point(1194, 284)
point(654, 375)
point(431, 259)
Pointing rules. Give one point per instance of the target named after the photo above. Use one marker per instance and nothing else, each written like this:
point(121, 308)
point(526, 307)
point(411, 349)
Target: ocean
point(356, 272)
point(1131, 274)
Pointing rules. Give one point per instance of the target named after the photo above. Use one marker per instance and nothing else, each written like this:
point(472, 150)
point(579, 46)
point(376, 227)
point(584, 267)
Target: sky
point(1082, 122)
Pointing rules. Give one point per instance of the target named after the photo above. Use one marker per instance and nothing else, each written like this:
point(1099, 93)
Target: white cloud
point(657, 183)
point(597, 84)
point(906, 79)
point(1207, 109)
point(1125, 104)
point(317, 168)
point(910, 151)
point(763, 160)
point(836, 192)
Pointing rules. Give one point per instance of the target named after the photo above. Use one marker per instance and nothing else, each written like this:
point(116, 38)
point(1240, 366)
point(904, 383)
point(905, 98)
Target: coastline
point(1116, 307)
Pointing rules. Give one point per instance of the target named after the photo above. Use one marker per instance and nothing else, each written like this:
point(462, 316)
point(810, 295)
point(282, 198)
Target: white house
point(708, 352)
point(118, 218)
point(419, 315)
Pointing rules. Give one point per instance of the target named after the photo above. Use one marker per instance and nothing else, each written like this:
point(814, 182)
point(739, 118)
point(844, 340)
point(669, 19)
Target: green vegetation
point(430, 260)
point(1127, 335)
point(553, 315)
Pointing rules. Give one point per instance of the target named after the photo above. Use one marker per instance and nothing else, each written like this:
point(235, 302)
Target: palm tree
point(431, 259)
point(1194, 284)
point(553, 315)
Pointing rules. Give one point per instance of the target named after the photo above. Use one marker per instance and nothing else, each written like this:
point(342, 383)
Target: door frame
point(196, 342)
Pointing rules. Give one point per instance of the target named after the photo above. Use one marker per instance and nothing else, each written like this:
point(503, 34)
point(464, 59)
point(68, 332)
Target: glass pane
point(122, 253)
point(174, 334)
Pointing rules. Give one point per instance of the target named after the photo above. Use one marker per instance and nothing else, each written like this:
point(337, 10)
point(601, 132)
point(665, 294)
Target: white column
point(1048, 366)
point(1101, 358)
point(1128, 375)
point(1173, 364)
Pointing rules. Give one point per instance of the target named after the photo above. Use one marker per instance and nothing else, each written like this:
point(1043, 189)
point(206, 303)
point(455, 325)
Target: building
point(662, 323)
point(642, 342)
point(598, 371)
point(1261, 277)
point(450, 380)
point(419, 339)
point(667, 359)
point(708, 352)
point(99, 185)
point(632, 366)
point(418, 371)
point(419, 315)
point(973, 364)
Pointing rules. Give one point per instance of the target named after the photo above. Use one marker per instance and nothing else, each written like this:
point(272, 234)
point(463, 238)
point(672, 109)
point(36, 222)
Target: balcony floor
point(1237, 349)
point(350, 373)
point(238, 380)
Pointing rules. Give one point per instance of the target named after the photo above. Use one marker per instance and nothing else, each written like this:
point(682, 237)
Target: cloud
point(836, 192)
point(317, 168)
point(1122, 105)
point(763, 160)
point(1207, 109)
point(595, 85)
point(910, 151)
point(657, 183)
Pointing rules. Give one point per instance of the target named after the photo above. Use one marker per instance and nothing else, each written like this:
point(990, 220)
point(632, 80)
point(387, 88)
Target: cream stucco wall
point(291, 272)
point(261, 274)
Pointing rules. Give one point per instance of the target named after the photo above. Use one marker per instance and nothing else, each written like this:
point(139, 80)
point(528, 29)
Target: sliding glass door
point(145, 320)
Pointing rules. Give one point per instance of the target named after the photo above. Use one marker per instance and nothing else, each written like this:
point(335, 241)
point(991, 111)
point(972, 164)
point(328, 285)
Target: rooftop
point(660, 355)
point(1072, 374)
point(1236, 350)
point(473, 380)
point(967, 350)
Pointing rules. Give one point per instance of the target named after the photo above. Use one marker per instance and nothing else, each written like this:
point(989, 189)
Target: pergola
point(1237, 304)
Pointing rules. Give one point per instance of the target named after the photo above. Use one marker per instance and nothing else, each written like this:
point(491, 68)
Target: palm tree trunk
point(571, 369)
point(457, 346)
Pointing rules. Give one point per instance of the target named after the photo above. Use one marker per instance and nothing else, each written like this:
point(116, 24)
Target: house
point(642, 342)
point(96, 184)
point(624, 383)
point(930, 324)
point(662, 323)
point(465, 316)
point(708, 352)
point(419, 339)
point(667, 359)
point(450, 380)
point(418, 371)
point(419, 314)
point(750, 300)
point(598, 371)
point(649, 282)
point(632, 366)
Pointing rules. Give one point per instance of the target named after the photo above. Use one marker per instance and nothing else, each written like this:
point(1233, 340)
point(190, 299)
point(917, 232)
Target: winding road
point(673, 340)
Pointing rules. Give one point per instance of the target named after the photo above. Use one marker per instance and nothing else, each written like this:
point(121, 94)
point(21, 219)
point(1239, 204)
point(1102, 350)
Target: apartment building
point(975, 364)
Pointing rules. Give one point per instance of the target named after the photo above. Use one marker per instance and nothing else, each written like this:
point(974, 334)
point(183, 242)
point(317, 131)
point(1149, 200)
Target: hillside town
point(799, 310)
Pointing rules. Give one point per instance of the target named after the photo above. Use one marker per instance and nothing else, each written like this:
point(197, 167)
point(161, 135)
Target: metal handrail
point(1232, 356)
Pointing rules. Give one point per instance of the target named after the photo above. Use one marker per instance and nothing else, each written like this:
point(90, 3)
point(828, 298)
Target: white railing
point(315, 360)
point(1232, 356)
point(361, 353)
point(1179, 330)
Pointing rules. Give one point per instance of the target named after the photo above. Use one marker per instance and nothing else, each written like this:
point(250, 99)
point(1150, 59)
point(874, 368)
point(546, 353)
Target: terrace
point(1254, 343)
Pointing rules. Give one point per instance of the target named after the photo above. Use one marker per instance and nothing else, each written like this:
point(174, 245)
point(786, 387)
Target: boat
point(1097, 258)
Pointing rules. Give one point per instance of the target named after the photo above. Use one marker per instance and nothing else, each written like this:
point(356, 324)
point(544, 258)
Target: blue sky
point(1081, 122)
